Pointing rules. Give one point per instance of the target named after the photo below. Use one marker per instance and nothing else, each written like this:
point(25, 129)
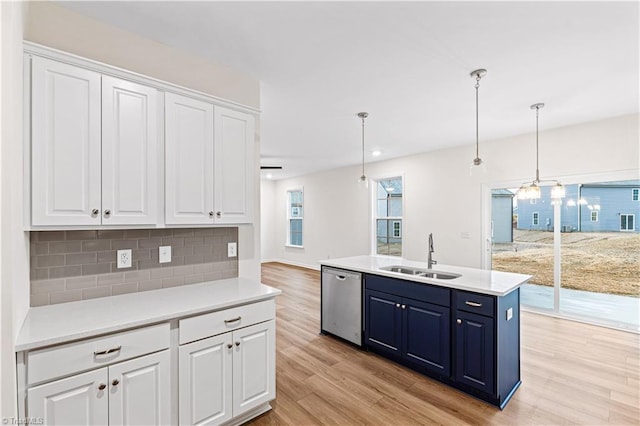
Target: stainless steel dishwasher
point(342, 304)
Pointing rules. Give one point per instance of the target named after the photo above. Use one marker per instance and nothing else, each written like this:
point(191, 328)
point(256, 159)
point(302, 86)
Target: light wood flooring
point(572, 373)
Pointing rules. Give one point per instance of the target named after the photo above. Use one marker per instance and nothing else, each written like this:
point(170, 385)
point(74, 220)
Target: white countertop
point(478, 280)
point(54, 324)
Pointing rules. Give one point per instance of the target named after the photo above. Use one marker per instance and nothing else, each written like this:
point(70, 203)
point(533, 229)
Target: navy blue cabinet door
point(475, 353)
point(383, 321)
point(426, 335)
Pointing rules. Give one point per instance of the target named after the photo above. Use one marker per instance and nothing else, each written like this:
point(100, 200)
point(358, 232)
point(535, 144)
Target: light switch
point(509, 313)
point(232, 249)
point(164, 254)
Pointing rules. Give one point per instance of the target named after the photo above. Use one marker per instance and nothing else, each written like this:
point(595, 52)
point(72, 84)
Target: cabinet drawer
point(208, 325)
point(57, 361)
point(480, 304)
point(409, 289)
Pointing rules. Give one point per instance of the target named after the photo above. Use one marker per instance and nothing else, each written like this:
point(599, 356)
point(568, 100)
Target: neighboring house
point(502, 215)
point(594, 207)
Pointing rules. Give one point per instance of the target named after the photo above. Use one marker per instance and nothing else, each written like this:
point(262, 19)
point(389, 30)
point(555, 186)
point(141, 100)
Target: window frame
point(290, 218)
point(535, 218)
point(597, 215)
point(373, 186)
point(627, 222)
point(635, 194)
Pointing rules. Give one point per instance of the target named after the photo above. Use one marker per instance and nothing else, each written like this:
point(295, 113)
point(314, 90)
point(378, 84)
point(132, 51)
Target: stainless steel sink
point(421, 272)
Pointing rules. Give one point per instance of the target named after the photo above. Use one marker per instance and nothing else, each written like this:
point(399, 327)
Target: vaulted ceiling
point(407, 64)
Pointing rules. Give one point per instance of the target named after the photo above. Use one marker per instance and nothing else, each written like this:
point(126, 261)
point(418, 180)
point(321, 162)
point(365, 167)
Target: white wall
point(14, 248)
point(268, 218)
point(440, 195)
point(52, 25)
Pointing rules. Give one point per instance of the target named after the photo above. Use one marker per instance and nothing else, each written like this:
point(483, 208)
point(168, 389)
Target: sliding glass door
point(583, 252)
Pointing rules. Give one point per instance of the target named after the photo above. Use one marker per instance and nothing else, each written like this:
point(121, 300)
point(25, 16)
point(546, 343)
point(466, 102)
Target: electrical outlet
point(124, 258)
point(232, 249)
point(164, 254)
point(509, 313)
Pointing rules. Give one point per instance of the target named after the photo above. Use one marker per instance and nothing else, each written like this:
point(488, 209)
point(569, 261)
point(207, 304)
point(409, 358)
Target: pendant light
point(363, 178)
point(531, 190)
point(477, 162)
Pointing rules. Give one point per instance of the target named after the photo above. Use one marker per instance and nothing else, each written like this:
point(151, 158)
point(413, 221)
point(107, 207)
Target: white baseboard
point(289, 262)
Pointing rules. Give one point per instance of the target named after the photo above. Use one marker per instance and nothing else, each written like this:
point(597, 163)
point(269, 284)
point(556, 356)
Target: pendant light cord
point(537, 149)
point(477, 142)
point(363, 146)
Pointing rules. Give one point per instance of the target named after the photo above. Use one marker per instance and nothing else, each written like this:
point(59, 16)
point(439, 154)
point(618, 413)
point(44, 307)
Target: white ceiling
point(407, 64)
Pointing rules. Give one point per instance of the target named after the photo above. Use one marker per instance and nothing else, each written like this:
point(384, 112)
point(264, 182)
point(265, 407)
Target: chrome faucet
point(430, 261)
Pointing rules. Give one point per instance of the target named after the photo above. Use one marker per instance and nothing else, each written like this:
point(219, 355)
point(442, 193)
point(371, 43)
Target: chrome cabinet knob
point(107, 212)
point(115, 382)
point(397, 305)
point(102, 386)
point(211, 213)
point(218, 214)
point(237, 343)
point(94, 212)
point(459, 321)
point(229, 345)
point(404, 306)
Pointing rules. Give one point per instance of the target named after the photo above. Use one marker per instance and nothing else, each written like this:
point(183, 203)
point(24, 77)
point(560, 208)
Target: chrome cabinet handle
point(211, 213)
point(237, 343)
point(115, 382)
point(94, 212)
point(233, 320)
point(229, 345)
point(107, 212)
point(459, 321)
point(397, 305)
point(218, 214)
point(474, 304)
point(108, 351)
point(102, 386)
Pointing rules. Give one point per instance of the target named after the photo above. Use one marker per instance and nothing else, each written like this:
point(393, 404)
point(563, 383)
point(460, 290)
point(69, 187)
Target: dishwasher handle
point(340, 277)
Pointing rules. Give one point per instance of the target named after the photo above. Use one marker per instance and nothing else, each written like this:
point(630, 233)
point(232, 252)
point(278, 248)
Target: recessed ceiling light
point(376, 153)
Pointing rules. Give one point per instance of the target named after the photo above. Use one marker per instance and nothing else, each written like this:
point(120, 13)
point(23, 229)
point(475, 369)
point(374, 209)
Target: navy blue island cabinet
point(468, 340)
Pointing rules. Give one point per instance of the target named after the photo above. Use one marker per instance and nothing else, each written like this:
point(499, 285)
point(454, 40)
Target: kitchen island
point(458, 325)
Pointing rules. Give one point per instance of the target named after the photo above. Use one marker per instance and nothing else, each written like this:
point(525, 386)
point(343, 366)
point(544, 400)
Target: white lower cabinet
point(134, 392)
point(225, 376)
point(76, 400)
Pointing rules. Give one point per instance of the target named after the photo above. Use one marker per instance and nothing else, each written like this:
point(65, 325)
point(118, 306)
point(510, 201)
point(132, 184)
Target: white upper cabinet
point(65, 150)
point(209, 173)
point(129, 153)
point(234, 165)
point(94, 148)
point(188, 160)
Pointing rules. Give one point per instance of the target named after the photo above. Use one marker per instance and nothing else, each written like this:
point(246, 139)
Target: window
point(388, 216)
point(594, 216)
point(627, 222)
point(535, 218)
point(295, 200)
point(635, 194)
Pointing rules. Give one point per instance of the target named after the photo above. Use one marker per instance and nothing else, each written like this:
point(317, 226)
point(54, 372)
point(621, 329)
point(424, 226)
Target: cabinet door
point(140, 391)
point(426, 340)
point(254, 366)
point(383, 321)
point(76, 400)
point(129, 153)
point(189, 160)
point(205, 374)
point(475, 353)
point(235, 169)
point(65, 146)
